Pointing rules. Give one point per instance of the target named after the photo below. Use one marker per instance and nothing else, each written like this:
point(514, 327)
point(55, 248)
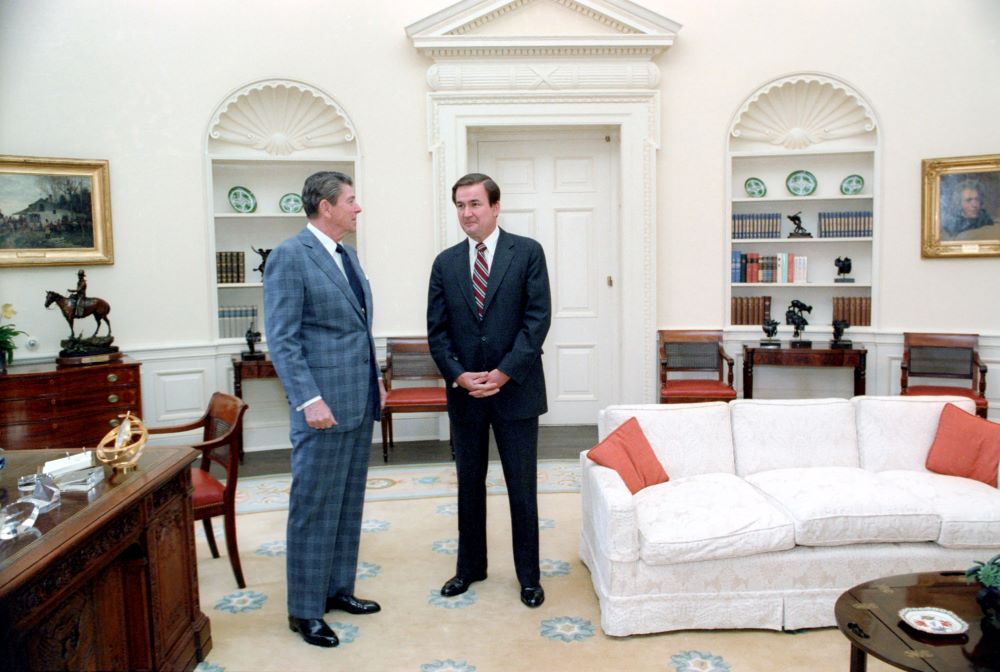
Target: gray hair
point(322, 186)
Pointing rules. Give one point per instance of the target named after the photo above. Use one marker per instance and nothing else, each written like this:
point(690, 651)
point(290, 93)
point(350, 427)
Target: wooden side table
point(250, 369)
point(856, 358)
point(868, 615)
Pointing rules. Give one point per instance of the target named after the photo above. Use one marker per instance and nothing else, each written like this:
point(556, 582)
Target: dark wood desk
point(757, 356)
point(109, 580)
point(868, 615)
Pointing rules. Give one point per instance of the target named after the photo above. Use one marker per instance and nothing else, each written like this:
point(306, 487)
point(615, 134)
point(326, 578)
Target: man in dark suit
point(318, 320)
point(488, 312)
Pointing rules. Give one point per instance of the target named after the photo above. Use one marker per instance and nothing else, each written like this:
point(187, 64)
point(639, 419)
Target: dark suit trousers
point(517, 442)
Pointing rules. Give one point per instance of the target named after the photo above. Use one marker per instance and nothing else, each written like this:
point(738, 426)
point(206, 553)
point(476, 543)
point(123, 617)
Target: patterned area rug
point(270, 493)
point(408, 550)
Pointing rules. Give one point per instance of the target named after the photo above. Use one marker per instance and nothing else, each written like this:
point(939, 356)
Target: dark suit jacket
point(508, 337)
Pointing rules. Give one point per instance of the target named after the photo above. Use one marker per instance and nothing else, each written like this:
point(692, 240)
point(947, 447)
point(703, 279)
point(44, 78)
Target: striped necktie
point(480, 276)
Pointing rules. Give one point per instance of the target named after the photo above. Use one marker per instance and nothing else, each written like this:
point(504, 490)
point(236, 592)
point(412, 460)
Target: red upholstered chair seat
point(406, 397)
point(207, 489)
point(698, 388)
point(409, 359)
point(937, 390)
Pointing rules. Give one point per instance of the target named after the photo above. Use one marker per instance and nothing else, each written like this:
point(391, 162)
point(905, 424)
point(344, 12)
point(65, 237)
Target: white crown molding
point(801, 110)
point(461, 31)
point(279, 117)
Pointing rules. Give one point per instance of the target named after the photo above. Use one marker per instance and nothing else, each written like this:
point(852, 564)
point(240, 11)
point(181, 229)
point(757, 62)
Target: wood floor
point(553, 443)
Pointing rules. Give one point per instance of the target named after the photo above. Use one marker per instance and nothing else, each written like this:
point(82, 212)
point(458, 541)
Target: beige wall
point(136, 81)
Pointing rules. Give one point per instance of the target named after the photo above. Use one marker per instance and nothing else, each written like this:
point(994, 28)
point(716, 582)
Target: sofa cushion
point(969, 510)
point(788, 433)
point(627, 451)
point(841, 505)
point(965, 445)
point(705, 517)
point(897, 432)
point(688, 439)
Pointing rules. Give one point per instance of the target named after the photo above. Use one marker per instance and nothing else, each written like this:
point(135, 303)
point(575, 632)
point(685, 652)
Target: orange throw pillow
point(965, 445)
point(627, 451)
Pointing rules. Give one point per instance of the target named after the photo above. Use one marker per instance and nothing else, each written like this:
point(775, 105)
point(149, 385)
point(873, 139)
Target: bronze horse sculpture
point(99, 308)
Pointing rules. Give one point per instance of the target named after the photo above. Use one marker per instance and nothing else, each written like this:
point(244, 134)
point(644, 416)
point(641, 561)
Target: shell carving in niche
point(797, 114)
point(282, 118)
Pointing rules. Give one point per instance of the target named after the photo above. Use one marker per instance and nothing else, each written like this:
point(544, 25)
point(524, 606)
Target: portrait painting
point(54, 212)
point(961, 207)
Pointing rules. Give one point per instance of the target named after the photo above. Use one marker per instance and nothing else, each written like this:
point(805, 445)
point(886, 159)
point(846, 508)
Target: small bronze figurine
point(263, 259)
point(799, 231)
point(838, 331)
point(794, 317)
point(843, 269)
point(770, 328)
point(252, 338)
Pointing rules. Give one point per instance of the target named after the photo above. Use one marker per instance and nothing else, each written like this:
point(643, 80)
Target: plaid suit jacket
point(318, 336)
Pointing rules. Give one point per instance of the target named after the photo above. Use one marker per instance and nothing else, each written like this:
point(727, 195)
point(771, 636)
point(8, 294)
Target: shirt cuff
point(311, 401)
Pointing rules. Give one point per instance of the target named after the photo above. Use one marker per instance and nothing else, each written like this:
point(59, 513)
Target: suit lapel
point(329, 267)
point(502, 257)
point(461, 274)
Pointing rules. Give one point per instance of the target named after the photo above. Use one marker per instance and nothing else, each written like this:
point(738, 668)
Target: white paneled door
point(560, 188)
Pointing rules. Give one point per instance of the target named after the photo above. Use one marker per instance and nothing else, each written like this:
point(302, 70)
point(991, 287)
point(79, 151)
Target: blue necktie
point(352, 276)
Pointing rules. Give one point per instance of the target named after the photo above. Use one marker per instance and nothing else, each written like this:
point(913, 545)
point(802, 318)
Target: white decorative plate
point(290, 203)
point(801, 183)
point(242, 200)
point(852, 185)
point(755, 187)
point(933, 620)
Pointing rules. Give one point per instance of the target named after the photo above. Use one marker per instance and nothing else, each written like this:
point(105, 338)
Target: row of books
point(785, 267)
point(235, 320)
point(855, 224)
point(229, 267)
point(757, 225)
point(750, 309)
point(857, 310)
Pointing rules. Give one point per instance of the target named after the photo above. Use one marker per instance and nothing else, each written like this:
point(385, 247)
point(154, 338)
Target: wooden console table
point(107, 580)
point(757, 356)
point(44, 405)
point(250, 369)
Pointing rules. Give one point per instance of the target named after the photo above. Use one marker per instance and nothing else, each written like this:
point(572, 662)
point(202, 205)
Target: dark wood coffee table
point(868, 615)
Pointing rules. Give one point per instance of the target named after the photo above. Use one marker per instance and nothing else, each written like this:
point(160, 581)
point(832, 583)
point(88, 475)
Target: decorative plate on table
point(933, 620)
point(801, 183)
point(242, 200)
point(852, 185)
point(755, 187)
point(290, 203)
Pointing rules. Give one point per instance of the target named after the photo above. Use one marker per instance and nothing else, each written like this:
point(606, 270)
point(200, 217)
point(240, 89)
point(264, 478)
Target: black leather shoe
point(457, 585)
point(352, 604)
point(314, 631)
point(532, 596)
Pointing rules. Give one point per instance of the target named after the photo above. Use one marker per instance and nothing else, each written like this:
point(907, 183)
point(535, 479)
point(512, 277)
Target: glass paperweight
point(45, 495)
point(16, 518)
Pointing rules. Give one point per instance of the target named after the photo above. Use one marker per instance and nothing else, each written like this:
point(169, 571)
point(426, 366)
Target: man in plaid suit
point(318, 321)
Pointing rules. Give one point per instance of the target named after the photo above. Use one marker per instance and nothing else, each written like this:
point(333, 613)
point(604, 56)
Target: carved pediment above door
point(519, 45)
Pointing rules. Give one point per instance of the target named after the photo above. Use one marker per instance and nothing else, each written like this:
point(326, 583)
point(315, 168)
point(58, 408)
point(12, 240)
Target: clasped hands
point(482, 384)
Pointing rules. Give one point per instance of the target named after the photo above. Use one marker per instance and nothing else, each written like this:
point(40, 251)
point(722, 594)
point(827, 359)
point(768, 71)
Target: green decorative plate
point(801, 183)
point(242, 200)
point(852, 185)
point(755, 187)
point(290, 203)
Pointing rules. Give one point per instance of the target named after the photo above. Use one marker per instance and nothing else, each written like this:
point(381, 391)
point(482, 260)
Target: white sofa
point(773, 509)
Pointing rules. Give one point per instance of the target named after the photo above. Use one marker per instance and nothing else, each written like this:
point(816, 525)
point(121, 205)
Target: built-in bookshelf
point(250, 147)
point(803, 185)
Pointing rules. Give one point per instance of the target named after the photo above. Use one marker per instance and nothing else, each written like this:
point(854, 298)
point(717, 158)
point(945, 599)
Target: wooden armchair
point(693, 351)
point(944, 356)
point(409, 359)
point(222, 442)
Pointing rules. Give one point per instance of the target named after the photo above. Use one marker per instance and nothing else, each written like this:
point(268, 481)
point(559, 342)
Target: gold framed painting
point(961, 207)
point(54, 212)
